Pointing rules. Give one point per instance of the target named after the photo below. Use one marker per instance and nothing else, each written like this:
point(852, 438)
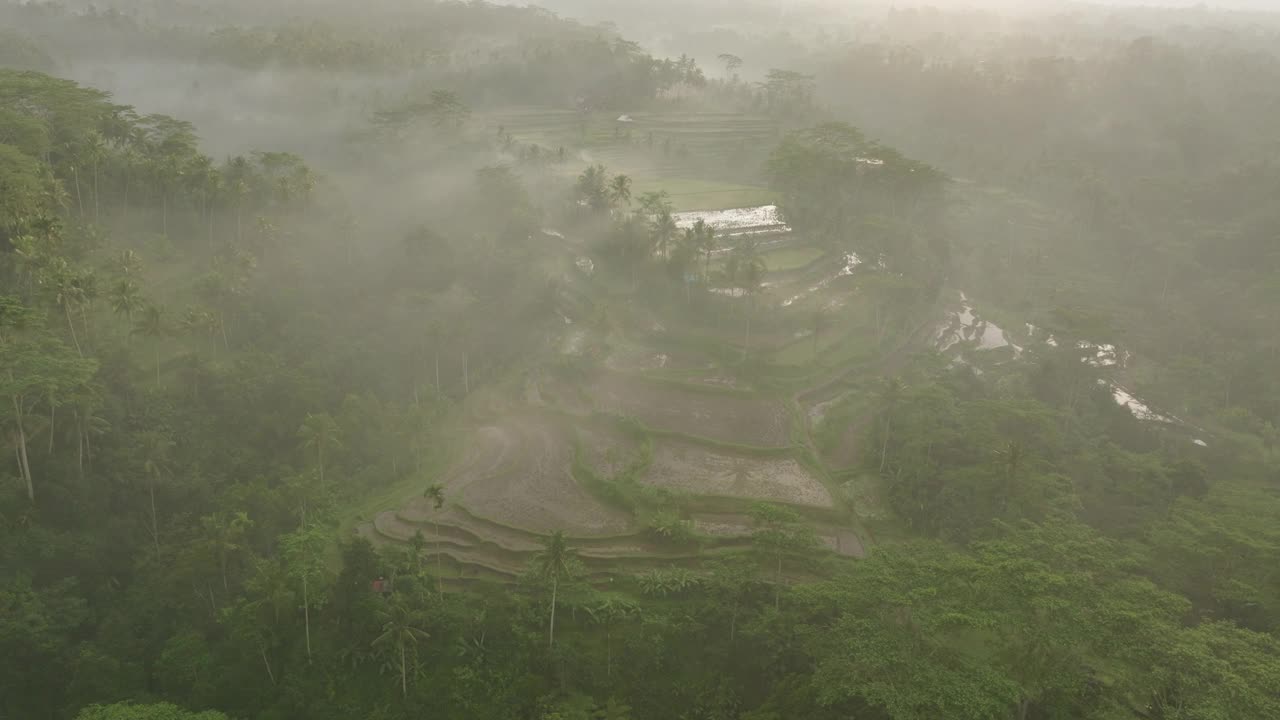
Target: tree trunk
point(306, 615)
point(155, 528)
point(404, 676)
point(1024, 704)
point(23, 462)
point(66, 308)
point(263, 649)
point(439, 560)
point(79, 201)
point(84, 323)
point(551, 632)
point(777, 587)
point(95, 191)
point(884, 446)
point(223, 560)
point(79, 445)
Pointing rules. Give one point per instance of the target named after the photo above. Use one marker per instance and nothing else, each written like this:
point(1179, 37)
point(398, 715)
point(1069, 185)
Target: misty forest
point(644, 360)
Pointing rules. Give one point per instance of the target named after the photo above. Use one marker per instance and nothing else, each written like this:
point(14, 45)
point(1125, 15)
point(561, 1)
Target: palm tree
point(95, 152)
point(620, 190)
point(663, 229)
point(435, 493)
point(155, 464)
point(779, 530)
point(747, 270)
point(555, 562)
point(126, 298)
point(88, 284)
point(127, 263)
point(67, 293)
point(890, 394)
point(196, 321)
point(154, 324)
point(319, 431)
point(705, 236)
point(592, 188)
point(607, 612)
point(632, 245)
point(399, 630)
point(88, 425)
point(226, 534)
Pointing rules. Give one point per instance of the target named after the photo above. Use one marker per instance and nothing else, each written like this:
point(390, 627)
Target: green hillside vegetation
point(457, 416)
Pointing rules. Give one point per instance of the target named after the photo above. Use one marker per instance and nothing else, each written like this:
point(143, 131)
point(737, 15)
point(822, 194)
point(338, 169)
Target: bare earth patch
point(726, 417)
point(697, 470)
point(517, 473)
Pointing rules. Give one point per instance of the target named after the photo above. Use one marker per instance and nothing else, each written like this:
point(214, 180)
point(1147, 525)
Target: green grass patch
point(694, 194)
point(792, 258)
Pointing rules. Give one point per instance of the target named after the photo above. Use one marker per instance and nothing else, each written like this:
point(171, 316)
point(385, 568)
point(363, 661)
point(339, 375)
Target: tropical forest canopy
point(729, 361)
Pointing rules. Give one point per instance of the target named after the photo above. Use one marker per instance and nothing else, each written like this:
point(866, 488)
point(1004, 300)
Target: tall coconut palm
point(95, 151)
point(225, 533)
point(88, 426)
point(707, 242)
point(126, 299)
point(400, 632)
point(127, 263)
point(890, 394)
point(154, 324)
point(156, 450)
point(620, 190)
point(553, 563)
point(435, 493)
point(747, 270)
point(611, 610)
point(66, 292)
point(663, 229)
point(88, 282)
point(321, 432)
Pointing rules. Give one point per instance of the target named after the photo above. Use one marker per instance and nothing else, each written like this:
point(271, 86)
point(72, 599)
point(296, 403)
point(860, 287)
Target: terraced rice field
point(729, 417)
point(515, 484)
point(517, 473)
point(606, 449)
point(701, 471)
point(473, 548)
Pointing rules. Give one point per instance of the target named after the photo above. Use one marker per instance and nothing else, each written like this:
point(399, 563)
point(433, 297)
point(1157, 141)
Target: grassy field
point(704, 161)
point(792, 258)
point(693, 194)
